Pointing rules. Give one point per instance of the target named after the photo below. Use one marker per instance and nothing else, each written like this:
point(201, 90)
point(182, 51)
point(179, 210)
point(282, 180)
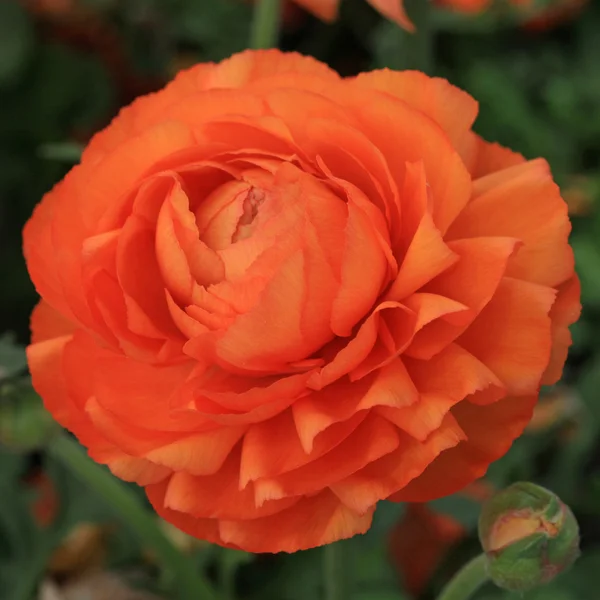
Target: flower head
point(274, 297)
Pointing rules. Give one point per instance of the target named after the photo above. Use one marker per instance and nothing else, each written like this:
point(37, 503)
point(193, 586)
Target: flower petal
point(490, 431)
point(312, 522)
point(385, 476)
point(258, 459)
point(564, 312)
point(524, 203)
point(372, 439)
point(451, 108)
point(512, 334)
point(218, 496)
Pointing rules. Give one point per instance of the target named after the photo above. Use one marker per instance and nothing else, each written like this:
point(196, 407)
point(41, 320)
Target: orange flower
point(274, 297)
point(327, 10)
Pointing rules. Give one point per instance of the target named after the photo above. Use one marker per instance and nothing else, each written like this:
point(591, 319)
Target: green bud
point(529, 536)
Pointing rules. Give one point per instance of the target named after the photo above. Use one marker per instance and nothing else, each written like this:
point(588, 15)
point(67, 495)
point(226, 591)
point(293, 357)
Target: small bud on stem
point(529, 536)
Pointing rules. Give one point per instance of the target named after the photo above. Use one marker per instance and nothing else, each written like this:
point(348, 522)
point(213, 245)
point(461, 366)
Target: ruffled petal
point(389, 386)
point(512, 334)
point(373, 438)
point(565, 311)
point(451, 108)
point(385, 476)
point(443, 382)
point(218, 496)
point(258, 459)
point(492, 157)
point(472, 282)
point(524, 203)
point(47, 323)
point(312, 522)
point(490, 431)
point(426, 257)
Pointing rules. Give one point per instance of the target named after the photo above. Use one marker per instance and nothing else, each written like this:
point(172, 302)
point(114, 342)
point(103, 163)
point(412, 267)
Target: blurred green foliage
point(65, 75)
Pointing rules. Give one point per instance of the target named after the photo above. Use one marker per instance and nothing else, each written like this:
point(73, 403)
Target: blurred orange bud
point(44, 507)
point(552, 409)
point(422, 538)
point(558, 12)
point(419, 542)
point(579, 195)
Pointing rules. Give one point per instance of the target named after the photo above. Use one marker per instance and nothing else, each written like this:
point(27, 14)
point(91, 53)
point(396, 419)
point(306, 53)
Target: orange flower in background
point(420, 542)
point(274, 297)
point(394, 10)
point(327, 10)
point(423, 538)
point(560, 11)
point(45, 505)
point(536, 18)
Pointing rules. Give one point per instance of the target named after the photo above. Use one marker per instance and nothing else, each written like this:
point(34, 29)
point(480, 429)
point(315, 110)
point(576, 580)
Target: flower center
point(245, 226)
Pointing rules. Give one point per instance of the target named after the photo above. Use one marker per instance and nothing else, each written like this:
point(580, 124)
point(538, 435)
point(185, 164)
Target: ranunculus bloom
point(274, 297)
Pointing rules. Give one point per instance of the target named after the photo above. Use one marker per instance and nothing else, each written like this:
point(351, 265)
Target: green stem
point(191, 584)
point(467, 581)
point(265, 25)
point(333, 572)
point(424, 37)
point(227, 571)
point(33, 570)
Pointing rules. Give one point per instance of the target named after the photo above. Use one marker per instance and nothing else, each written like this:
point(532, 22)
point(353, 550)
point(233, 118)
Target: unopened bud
point(529, 536)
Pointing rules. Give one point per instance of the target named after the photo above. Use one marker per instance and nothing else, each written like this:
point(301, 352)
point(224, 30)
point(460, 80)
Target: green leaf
point(462, 509)
point(12, 357)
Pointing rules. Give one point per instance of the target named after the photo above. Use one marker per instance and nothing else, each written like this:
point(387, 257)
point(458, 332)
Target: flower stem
point(191, 584)
point(467, 581)
point(333, 572)
point(424, 37)
point(265, 25)
point(33, 570)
